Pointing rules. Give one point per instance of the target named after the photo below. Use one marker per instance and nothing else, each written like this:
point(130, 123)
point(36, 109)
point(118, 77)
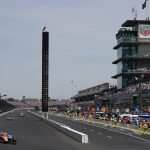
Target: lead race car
point(7, 139)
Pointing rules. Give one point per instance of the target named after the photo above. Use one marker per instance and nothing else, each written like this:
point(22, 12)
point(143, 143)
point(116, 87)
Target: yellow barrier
point(139, 128)
point(139, 131)
point(145, 128)
point(81, 117)
point(114, 122)
point(100, 120)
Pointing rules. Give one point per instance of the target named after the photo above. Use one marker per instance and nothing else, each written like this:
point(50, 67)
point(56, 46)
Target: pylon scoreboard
point(45, 66)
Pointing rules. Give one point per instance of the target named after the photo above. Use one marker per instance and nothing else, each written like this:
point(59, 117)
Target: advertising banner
point(144, 31)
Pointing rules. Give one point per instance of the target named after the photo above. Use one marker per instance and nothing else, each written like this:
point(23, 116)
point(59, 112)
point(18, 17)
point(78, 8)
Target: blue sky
point(82, 36)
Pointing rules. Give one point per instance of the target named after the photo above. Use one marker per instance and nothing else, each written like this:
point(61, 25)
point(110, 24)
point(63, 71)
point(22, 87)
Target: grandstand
point(19, 104)
point(4, 106)
point(52, 103)
point(31, 102)
point(133, 73)
point(90, 99)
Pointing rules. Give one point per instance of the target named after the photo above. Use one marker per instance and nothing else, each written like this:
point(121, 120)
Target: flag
point(133, 9)
point(44, 28)
point(144, 4)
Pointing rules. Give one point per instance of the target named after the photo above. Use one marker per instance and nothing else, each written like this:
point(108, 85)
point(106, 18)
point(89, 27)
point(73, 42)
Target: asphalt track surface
point(108, 138)
point(34, 134)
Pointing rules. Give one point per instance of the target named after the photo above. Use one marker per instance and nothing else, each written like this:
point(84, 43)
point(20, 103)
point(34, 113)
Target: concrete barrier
point(79, 136)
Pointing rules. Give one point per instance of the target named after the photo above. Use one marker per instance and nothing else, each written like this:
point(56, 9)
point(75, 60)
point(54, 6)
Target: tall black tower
point(45, 66)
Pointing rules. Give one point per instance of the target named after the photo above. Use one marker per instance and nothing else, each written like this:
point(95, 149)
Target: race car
point(21, 114)
point(10, 118)
point(7, 139)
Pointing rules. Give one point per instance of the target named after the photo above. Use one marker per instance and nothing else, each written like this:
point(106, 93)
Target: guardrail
point(79, 136)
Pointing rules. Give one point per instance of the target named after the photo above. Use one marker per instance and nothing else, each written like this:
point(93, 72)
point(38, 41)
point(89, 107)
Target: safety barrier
point(81, 137)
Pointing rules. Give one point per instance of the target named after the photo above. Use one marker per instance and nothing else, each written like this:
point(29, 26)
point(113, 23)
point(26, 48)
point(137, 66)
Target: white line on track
point(109, 137)
point(99, 133)
point(133, 136)
point(85, 128)
point(91, 130)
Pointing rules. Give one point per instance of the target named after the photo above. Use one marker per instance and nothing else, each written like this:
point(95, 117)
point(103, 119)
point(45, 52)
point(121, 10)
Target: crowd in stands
point(36, 102)
point(92, 90)
point(32, 102)
point(4, 106)
point(19, 104)
point(133, 89)
point(59, 102)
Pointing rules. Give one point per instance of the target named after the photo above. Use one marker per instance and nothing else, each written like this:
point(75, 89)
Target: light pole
point(72, 87)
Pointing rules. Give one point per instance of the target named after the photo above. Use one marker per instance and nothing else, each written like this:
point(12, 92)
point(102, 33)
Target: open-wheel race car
point(10, 118)
point(7, 139)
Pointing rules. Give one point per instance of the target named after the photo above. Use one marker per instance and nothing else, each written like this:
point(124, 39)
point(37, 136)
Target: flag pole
point(134, 10)
point(147, 13)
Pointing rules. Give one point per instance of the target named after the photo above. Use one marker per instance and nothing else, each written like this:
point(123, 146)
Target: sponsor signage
point(144, 31)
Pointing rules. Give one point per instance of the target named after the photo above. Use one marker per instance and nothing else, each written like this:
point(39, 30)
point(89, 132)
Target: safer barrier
point(79, 136)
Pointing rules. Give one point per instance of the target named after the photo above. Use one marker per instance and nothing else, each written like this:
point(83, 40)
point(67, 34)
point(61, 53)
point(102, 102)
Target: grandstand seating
point(4, 106)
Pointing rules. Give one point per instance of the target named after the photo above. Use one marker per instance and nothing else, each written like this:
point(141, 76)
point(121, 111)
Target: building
point(133, 53)
point(90, 99)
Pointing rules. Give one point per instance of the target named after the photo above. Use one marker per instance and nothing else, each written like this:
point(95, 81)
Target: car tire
point(15, 142)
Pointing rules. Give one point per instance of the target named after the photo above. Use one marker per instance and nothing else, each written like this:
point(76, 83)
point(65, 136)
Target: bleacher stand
point(4, 106)
point(19, 104)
